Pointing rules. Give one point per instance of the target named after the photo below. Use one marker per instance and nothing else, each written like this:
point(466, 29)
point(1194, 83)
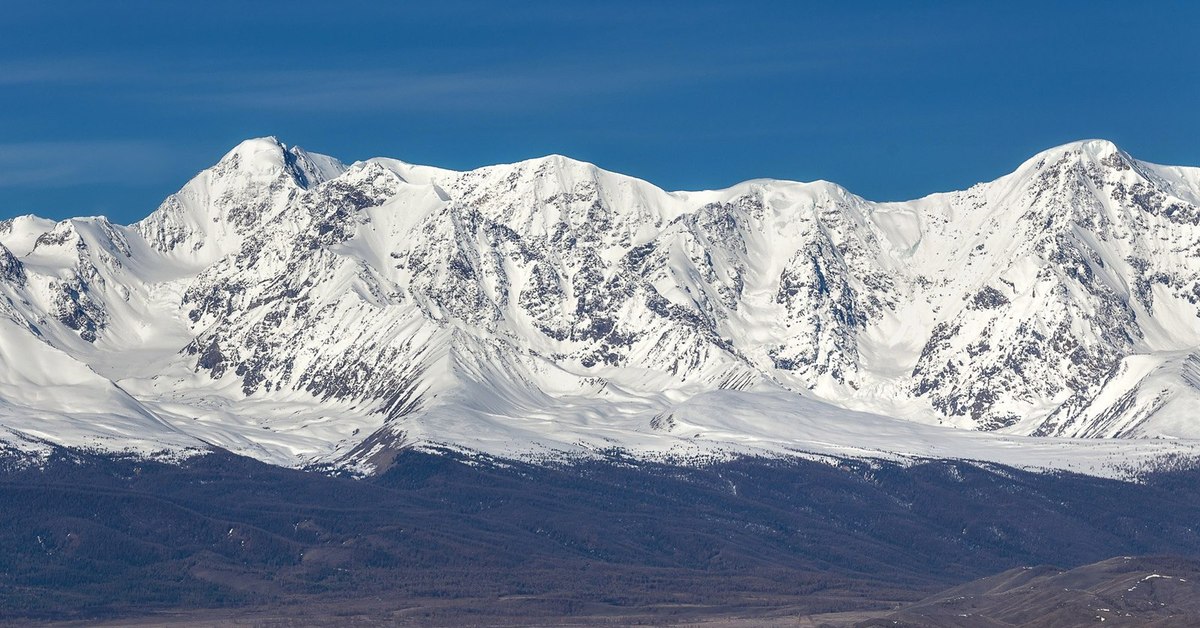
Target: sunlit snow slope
point(285, 306)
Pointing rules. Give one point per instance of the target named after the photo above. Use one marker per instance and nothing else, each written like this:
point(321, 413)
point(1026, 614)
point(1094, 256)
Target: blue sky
point(107, 109)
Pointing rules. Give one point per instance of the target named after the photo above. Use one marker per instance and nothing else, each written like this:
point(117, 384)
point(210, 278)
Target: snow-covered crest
point(291, 308)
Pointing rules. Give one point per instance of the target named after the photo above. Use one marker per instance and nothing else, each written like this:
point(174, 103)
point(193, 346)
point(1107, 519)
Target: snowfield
point(288, 307)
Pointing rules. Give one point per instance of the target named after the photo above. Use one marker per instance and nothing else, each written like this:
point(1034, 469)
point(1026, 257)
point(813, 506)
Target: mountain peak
point(257, 151)
point(1097, 147)
point(1092, 150)
point(269, 156)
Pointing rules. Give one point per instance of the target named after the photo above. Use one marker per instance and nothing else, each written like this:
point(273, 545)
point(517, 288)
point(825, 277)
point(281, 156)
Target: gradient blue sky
point(105, 108)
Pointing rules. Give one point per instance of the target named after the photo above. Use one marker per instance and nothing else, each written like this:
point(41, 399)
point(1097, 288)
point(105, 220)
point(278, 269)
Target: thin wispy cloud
point(486, 90)
point(345, 89)
point(367, 88)
point(38, 164)
point(68, 71)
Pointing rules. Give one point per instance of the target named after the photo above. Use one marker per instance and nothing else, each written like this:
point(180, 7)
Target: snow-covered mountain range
point(288, 307)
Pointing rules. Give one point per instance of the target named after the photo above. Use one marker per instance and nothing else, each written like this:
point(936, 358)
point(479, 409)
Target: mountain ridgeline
point(288, 307)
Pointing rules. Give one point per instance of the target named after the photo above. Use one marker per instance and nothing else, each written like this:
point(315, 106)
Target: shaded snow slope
point(289, 307)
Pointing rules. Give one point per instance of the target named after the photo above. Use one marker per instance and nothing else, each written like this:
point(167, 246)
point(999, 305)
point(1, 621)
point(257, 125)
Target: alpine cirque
point(293, 309)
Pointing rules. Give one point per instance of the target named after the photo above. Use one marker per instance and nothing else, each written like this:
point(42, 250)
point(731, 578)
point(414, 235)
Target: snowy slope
point(289, 307)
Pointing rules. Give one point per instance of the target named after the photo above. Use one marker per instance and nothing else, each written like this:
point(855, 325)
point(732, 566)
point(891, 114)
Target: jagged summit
point(1095, 148)
point(289, 307)
point(267, 156)
point(1094, 152)
point(266, 152)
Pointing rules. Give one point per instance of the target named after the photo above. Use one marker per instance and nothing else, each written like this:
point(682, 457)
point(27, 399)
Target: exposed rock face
point(1063, 299)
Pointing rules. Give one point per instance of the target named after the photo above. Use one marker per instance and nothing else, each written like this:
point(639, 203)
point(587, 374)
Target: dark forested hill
point(450, 539)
